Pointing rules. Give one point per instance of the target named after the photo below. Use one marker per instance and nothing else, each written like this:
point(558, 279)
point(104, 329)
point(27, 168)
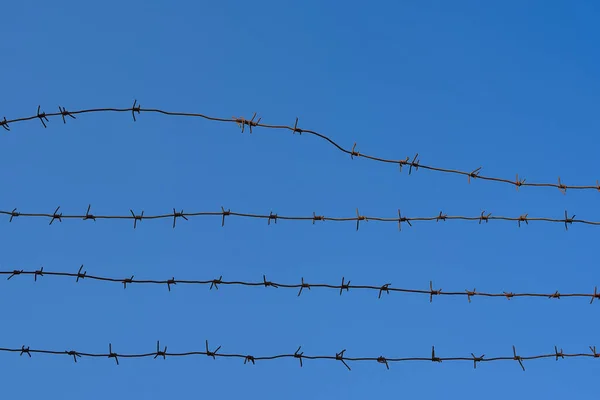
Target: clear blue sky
point(509, 86)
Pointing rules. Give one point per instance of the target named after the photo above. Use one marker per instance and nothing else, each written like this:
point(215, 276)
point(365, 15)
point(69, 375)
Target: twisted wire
point(413, 163)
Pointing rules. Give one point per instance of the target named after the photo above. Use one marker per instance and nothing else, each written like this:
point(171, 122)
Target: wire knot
point(318, 218)
point(596, 295)
point(126, 281)
point(212, 354)
point(414, 163)
point(14, 273)
point(354, 153)
point(302, 286)
point(88, 215)
point(296, 129)
point(384, 288)
point(25, 350)
point(135, 109)
point(474, 174)
point(471, 293)
point(13, 214)
point(402, 219)
point(170, 282)
point(56, 215)
point(64, 113)
point(344, 286)
point(592, 348)
point(433, 357)
point(268, 283)
point(383, 360)
point(568, 220)
point(215, 283)
point(522, 218)
point(340, 356)
point(403, 163)
point(79, 274)
point(271, 217)
point(298, 355)
point(39, 272)
point(476, 360)
point(561, 187)
point(556, 295)
point(136, 218)
point(42, 116)
point(249, 359)
point(441, 217)
point(559, 354)
point(242, 122)
point(73, 353)
point(4, 124)
point(484, 217)
point(112, 355)
point(519, 183)
point(224, 214)
point(360, 218)
point(509, 295)
point(433, 292)
point(159, 353)
point(518, 358)
point(178, 215)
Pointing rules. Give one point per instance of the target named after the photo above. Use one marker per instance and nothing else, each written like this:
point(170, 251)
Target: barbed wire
point(242, 122)
point(271, 217)
point(344, 286)
point(299, 355)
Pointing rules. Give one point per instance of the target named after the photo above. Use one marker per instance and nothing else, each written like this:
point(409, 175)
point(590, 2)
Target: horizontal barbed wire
point(251, 123)
point(299, 356)
point(483, 217)
point(345, 285)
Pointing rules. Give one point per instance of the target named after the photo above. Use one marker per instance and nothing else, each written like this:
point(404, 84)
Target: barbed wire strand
point(242, 123)
point(271, 217)
point(214, 283)
point(300, 356)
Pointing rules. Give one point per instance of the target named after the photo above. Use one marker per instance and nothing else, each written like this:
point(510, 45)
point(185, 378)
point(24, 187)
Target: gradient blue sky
point(511, 86)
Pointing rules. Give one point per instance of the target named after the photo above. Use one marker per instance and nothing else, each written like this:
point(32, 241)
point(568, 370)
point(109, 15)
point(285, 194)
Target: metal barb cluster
point(242, 122)
point(56, 216)
point(345, 285)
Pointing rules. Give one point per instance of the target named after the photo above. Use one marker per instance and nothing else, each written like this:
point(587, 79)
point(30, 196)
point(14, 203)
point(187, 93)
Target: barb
point(80, 275)
point(264, 283)
point(42, 117)
point(64, 113)
point(306, 285)
point(296, 355)
point(4, 124)
point(55, 216)
point(159, 353)
point(518, 358)
point(477, 359)
point(566, 220)
point(242, 122)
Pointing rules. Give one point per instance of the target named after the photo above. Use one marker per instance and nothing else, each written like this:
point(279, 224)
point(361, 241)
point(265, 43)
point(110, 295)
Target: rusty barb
point(274, 217)
point(344, 286)
point(242, 122)
point(298, 355)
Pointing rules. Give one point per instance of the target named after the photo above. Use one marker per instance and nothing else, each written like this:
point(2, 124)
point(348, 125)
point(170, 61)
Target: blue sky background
point(509, 86)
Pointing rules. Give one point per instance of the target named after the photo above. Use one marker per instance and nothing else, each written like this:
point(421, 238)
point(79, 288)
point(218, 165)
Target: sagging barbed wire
point(303, 285)
point(274, 217)
point(300, 356)
point(413, 163)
